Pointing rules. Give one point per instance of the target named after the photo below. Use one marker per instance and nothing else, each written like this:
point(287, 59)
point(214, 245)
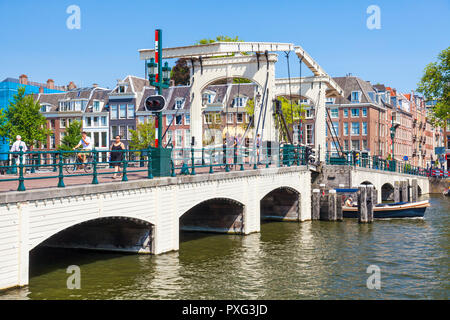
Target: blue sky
point(36, 41)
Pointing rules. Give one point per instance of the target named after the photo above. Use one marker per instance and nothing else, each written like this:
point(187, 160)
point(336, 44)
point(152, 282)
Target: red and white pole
point(156, 131)
point(157, 54)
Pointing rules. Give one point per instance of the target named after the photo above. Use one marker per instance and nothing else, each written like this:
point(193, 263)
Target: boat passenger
point(349, 202)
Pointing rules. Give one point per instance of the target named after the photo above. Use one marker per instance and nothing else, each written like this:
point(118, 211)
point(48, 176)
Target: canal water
point(309, 260)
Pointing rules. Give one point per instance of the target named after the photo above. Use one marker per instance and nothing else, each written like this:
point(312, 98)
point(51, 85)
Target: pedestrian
point(16, 147)
point(117, 155)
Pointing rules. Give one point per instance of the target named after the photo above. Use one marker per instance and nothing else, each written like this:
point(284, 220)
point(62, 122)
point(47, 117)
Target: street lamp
point(166, 74)
point(152, 69)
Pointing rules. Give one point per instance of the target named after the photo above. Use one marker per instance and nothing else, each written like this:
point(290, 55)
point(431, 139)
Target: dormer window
point(96, 106)
point(208, 97)
point(45, 108)
point(179, 103)
point(239, 102)
point(330, 100)
point(355, 97)
point(371, 96)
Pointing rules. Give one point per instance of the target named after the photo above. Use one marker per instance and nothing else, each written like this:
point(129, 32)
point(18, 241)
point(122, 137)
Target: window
point(179, 120)
point(104, 121)
point(130, 110)
point(187, 119)
point(179, 103)
point(371, 95)
point(187, 141)
point(364, 128)
point(123, 111)
point(113, 111)
point(309, 134)
point(364, 145)
point(345, 145)
point(335, 129)
point(334, 113)
point(218, 118)
point(230, 118)
point(96, 139)
point(355, 128)
point(355, 113)
point(104, 139)
point(178, 138)
point(96, 123)
point(96, 106)
point(209, 97)
point(169, 119)
point(88, 122)
point(44, 108)
point(169, 136)
point(345, 113)
point(364, 112)
point(330, 100)
point(355, 144)
point(240, 117)
point(114, 131)
point(141, 119)
point(355, 96)
point(208, 118)
point(345, 128)
point(62, 122)
point(122, 131)
point(309, 113)
point(61, 136)
point(121, 89)
point(239, 102)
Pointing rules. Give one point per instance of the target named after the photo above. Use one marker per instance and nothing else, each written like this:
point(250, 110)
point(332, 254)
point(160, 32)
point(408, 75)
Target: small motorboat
point(446, 192)
point(392, 210)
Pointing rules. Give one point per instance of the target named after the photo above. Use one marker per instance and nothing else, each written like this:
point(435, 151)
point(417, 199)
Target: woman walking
point(117, 156)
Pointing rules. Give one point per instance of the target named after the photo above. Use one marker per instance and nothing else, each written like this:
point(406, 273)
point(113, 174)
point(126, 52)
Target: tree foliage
point(435, 85)
point(143, 136)
point(23, 118)
point(72, 137)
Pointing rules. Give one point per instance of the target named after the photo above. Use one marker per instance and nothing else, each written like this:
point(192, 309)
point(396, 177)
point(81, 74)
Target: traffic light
point(155, 103)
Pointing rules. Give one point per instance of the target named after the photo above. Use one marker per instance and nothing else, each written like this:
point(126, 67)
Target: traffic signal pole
point(159, 83)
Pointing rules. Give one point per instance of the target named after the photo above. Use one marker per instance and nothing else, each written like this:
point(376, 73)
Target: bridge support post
point(332, 199)
point(315, 207)
point(397, 191)
point(404, 186)
point(414, 190)
point(370, 202)
point(375, 196)
point(362, 204)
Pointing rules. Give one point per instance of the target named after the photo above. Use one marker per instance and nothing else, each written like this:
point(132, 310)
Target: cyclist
point(86, 144)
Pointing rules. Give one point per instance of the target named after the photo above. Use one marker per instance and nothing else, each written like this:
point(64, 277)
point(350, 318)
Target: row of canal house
point(362, 119)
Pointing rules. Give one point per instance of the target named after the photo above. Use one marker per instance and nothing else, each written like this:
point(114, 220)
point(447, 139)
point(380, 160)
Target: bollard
point(315, 207)
point(397, 191)
point(370, 203)
point(362, 204)
point(332, 205)
point(414, 190)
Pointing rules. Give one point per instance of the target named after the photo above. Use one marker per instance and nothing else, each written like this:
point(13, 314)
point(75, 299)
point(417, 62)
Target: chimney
point(23, 79)
point(50, 84)
point(95, 85)
point(71, 86)
point(41, 89)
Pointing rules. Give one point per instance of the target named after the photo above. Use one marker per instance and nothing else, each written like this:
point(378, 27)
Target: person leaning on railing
point(16, 147)
point(117, 155)
point(86, 144)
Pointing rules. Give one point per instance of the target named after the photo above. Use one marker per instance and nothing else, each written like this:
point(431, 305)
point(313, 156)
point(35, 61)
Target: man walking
point(16, 147)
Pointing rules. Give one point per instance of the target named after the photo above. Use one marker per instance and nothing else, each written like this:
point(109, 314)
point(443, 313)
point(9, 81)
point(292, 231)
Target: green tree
point(292, 115)
point(3, 124)
point(72, 137)
point(219, 39)
point(143, 136)
point(435, 85)
point(24, 119)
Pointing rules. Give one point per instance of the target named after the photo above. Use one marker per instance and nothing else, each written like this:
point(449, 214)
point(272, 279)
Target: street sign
point(405, 158)
point(439, 150)
point(155, 103)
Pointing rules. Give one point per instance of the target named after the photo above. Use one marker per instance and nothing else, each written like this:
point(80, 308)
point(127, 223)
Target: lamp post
point(159, 77)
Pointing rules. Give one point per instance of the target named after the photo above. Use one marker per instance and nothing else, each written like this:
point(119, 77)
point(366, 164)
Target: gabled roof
point(350, 84)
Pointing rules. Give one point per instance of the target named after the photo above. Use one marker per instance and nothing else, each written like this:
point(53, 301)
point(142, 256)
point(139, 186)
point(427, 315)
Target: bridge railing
point(59, 165)
point(376, 163)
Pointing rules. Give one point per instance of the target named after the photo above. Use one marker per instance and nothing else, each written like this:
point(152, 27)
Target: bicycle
point(73, 162)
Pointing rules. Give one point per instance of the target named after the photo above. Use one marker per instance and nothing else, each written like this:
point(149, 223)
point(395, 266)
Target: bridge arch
point(222, 215)
point(281, 204)
point(387, 191)
point(112, 233)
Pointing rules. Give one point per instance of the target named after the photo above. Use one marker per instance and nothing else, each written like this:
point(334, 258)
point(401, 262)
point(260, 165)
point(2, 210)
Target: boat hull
point(411, 210)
